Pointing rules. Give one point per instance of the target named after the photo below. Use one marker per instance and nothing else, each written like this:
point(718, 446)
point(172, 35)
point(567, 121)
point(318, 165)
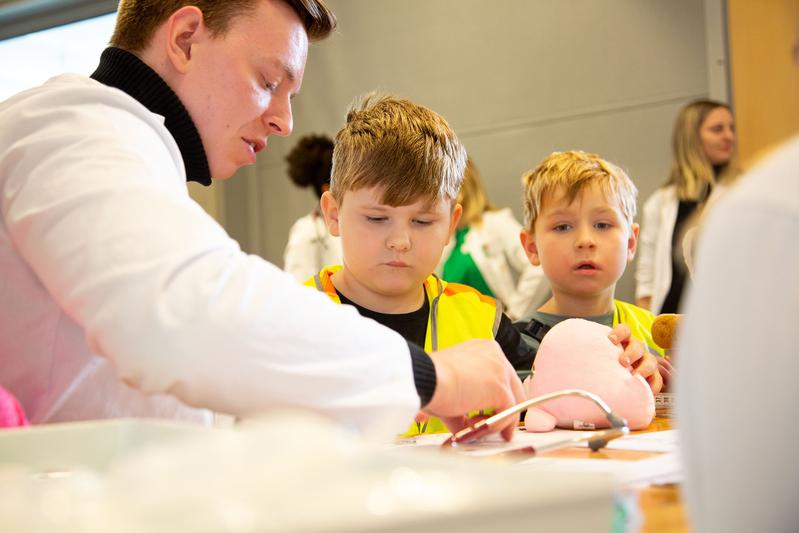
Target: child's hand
point(636, 357)
point(666, 370)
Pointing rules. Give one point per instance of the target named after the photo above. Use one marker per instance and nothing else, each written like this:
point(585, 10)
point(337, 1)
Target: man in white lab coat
point(119, 296)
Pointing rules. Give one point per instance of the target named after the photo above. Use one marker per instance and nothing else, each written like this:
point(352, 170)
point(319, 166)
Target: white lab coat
point(497, 251)
point(310, 248)
point(120, 296)
point(653, 272)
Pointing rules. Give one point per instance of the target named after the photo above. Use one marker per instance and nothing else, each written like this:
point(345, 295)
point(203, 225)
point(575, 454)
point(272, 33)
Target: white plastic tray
point(91, 445)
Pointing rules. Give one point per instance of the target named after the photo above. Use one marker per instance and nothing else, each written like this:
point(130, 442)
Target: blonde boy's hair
point(473, 197)
point(572, 172)
point(692, 172)
point(405, 148)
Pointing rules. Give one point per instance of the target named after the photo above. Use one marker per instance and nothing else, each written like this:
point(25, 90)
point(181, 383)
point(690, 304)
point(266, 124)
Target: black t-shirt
point(413, 327)
point(671, 303)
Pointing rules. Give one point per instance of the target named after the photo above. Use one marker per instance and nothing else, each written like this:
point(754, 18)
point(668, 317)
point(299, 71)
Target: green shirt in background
point(461, 268)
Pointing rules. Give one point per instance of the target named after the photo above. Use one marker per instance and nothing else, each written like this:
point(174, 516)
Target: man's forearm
point(424, 373)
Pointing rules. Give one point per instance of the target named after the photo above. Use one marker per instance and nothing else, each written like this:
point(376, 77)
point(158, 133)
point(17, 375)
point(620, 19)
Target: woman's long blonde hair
point(691, 170)
point(473, 197)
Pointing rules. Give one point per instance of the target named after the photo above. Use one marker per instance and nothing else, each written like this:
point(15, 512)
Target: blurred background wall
point(516, 79)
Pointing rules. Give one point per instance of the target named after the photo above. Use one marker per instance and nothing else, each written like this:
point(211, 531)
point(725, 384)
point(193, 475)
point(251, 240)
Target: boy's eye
point(375, 219)
point(422, 222)
point(603, 225)
point(562, 227)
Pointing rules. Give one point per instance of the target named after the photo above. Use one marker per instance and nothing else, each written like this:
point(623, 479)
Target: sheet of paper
point(657, 470)
point(656, 441)
point(662, 468)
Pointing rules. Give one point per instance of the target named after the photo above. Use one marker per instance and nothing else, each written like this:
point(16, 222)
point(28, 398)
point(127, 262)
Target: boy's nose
point(399, 241)
point(584, 239)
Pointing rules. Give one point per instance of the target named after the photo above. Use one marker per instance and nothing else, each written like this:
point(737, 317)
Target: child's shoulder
point(322, 281)
point(459, 289)
point(634, 310)
point(456, 299)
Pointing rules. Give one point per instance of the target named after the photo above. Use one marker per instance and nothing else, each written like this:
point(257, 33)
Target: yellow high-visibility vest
point(639, 321)
point(457, 313)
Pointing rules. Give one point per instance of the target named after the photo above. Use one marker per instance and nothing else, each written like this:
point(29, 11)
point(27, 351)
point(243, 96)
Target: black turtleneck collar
point(126, 72)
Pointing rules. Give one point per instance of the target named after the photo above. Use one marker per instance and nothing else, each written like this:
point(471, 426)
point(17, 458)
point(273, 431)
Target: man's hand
point(636, 357)
point(470, 376)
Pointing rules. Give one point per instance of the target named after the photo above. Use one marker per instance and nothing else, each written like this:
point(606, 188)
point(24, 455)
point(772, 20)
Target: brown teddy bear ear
point(663, 330)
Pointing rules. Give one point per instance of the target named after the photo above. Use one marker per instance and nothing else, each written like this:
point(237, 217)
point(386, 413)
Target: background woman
point(704, 163)
point(486, 254)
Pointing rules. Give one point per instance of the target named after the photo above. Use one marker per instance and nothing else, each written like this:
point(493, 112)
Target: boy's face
point(583, 247)
point(238, 87)
point(388, 251)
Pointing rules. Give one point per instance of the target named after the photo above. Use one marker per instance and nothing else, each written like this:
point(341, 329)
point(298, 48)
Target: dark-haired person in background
point(310, 246)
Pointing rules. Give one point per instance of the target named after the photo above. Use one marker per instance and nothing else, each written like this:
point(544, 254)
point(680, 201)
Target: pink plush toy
point(577, 354)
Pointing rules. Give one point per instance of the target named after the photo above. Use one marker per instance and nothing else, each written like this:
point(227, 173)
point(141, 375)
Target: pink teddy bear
point(577, 354)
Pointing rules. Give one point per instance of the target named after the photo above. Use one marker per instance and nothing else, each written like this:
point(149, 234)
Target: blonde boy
point(579, 228)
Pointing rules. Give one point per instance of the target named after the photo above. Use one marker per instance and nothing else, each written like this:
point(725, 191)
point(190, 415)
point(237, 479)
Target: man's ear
point(184, 29)
point(330, 211)
point(457, 212)
point(530, 248)
point(632, 242)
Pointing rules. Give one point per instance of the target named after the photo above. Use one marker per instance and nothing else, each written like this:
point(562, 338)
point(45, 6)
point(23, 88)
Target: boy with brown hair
point(579, 228)
point(397, 171)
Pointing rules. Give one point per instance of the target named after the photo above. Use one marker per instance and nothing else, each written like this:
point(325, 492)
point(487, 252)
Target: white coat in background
point(653, 271)
point(496, 250)
point(310, 248)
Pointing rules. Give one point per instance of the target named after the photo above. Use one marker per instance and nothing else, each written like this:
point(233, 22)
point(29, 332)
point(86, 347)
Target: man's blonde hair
point(405, 148)
point(572, 172)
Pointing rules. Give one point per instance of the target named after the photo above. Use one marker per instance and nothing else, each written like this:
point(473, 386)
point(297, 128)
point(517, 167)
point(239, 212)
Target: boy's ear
point(457, 212)
point(330, 211)
point(530, 248)
point(184, 29)
point(632, 242)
